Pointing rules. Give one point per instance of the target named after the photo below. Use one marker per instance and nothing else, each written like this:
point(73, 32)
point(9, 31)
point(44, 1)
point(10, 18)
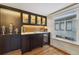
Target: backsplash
point(29, 28)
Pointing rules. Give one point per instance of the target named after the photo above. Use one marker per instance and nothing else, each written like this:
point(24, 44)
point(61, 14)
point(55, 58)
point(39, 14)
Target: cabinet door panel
point(25, 43)
point(36, 41)
point(2, 44)
point(12, 42)
point(15, 42)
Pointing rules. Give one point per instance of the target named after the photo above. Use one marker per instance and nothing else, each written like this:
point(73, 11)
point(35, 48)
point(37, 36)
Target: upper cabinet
point(44, 21)
point(25, 17)
point(38, 20)
point(33, 19)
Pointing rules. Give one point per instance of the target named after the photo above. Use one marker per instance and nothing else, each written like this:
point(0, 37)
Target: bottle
point(3, 30)
point(16, 30)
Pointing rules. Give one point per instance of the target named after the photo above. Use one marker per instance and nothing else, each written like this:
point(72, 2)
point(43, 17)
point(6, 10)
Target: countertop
point(26, 33)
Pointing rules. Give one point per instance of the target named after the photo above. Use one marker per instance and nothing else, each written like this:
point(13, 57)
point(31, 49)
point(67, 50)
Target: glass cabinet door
point(33, 19)
point(39, 20)
point(43, 21)
point(25, 18)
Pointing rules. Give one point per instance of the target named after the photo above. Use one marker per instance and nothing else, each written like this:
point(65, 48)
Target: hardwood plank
point(15, 52)
point(46, 50)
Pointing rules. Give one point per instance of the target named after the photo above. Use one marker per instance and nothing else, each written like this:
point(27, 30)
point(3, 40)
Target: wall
point(68, 46)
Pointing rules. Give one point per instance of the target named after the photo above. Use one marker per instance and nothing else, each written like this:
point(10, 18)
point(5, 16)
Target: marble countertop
point(26, 33)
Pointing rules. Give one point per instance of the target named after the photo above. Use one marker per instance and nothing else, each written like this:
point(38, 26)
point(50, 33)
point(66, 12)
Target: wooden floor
point(45, 50)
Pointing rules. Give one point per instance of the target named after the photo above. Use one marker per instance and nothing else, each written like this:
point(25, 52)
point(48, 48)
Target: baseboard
point(60, 50)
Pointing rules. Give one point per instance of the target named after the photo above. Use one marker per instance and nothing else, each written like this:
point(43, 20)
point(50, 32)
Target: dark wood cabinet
point(14, 42)
point(2, 44)
point(9, 43)
point(36, 40)
point(31, 41)
point(25, 43)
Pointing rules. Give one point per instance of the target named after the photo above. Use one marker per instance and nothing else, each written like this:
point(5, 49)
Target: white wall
point(68, 46)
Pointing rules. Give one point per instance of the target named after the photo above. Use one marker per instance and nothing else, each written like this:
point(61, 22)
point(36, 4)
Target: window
point(57, 26)
point(69, 25)
point(62, 26)
point(65, 26)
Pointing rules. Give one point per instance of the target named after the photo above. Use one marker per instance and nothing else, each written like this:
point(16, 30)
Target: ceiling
point(38, 8)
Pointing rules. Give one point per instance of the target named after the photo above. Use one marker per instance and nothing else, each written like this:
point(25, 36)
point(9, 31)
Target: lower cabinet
point(12, 43)
point(2, 44)
point(25, 43)
point(31, 41)
point(46, 38)
point(36, 40)
point(9, 43)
